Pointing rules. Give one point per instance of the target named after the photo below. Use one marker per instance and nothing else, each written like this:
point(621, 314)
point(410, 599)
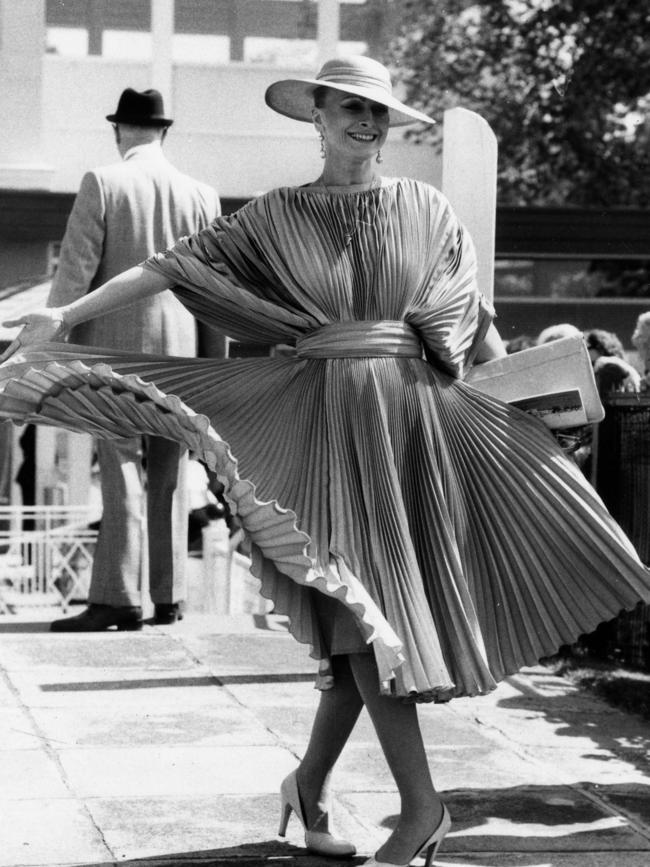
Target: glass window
point(67, 41)
point(126, 45)
point(200, 48)
point(255, 32)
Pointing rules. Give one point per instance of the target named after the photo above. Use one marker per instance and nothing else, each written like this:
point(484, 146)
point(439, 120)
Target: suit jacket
point(122, 214)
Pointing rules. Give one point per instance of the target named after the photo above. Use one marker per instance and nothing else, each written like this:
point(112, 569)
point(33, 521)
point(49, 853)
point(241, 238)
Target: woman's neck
point(343, 175)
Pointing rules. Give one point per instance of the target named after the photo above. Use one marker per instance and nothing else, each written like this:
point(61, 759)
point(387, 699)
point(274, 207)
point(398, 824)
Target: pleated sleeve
point(450, 313)
point(223, 278)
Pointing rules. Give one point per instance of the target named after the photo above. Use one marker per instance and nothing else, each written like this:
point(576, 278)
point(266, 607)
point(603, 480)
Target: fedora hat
point(140, 109)
point(356, 74)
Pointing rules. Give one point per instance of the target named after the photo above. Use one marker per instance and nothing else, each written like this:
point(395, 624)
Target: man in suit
point(122, 214)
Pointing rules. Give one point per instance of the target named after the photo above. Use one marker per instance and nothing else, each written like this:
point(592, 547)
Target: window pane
point(67, 41)
point(126, 45)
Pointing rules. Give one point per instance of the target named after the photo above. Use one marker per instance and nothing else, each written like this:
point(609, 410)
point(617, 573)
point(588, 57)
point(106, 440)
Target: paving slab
point(166, 748)
point(152, 650)
point(49, 831)
point(264, 652)
point(18, 732)
point(204, 827)
point(630, 800)
point(212, 724)
point(175, 771)
point(7, 696)
point(542, 859)
point(31, 773)
point(522, 818)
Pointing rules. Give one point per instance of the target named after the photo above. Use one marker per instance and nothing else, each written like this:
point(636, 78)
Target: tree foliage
point(564, 84)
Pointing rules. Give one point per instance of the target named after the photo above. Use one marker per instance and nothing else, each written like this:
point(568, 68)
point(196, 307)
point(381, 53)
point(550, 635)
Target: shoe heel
point(437, 838)
point(133, 626)
point(430, 856)
point(285, 812)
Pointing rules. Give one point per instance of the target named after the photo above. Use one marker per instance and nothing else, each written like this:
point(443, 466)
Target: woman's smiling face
point(352, 126)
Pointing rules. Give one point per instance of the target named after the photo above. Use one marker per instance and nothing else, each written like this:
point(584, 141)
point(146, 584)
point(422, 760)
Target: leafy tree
point(564, 84)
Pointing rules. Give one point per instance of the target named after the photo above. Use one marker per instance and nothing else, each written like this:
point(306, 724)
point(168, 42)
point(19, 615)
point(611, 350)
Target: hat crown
point(357, 71)
point(144, 108)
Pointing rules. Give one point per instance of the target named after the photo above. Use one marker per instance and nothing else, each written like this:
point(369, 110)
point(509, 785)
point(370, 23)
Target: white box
point(554, 381)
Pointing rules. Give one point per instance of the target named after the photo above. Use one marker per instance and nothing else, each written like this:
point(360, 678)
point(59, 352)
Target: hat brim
point(134, 121)
point(294, 98)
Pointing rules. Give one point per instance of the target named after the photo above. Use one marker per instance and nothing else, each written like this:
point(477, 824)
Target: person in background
point(557, 332)
point(203, 505)
point(519, 343)
point(612, 371)
point(123, 213)
point(641, 342)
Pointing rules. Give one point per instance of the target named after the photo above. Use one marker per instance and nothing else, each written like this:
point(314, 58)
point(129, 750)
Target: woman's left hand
point(40, 326)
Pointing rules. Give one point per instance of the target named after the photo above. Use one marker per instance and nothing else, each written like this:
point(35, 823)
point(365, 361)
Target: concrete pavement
point(167, 747)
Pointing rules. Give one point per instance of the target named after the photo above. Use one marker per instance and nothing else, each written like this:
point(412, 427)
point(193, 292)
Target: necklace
point(351, 228)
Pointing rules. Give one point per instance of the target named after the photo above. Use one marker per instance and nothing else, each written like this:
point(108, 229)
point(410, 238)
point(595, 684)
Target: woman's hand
point(40, 326)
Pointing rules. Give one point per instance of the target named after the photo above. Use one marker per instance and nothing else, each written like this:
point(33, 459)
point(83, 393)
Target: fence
point(46, 554)
point(623, 481)
point(226, 584)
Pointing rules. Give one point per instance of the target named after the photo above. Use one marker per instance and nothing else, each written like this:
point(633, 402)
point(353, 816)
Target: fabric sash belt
point(361, 339)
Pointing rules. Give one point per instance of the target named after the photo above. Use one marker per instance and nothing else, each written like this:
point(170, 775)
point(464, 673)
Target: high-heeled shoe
point(431, 845)
point(318, 842)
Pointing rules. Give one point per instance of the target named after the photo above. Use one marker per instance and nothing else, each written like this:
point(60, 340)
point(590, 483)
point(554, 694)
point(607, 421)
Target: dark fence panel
point(623, 481)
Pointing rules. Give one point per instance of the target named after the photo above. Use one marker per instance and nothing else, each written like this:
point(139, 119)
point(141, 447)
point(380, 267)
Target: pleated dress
point(387, 501)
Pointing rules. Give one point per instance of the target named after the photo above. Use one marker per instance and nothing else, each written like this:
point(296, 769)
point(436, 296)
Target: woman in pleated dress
point(425, 540)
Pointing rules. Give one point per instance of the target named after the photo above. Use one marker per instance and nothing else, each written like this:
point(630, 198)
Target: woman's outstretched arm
point(52, 323)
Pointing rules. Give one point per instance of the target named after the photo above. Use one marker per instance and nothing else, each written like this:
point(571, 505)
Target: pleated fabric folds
point(451, 526)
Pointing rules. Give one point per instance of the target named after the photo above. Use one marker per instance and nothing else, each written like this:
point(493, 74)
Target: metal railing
point(46, 555)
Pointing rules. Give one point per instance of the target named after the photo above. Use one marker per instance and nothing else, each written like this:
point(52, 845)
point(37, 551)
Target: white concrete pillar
point(329, 29)
point(22, 45)
point(469, 180)
point(162, 32)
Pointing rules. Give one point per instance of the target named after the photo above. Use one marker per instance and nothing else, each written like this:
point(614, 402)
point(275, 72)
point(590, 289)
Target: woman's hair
point(643, 322)
point(320, 93)
point(604, 342)
point(641, 335)
point(557, 332)
point(521, 341)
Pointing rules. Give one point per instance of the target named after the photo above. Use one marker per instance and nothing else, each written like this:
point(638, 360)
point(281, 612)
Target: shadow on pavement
point(535, 820)
point(522, 825)
point(157, 683)
point(623, 735)
point(36, 626)
point(246, 855)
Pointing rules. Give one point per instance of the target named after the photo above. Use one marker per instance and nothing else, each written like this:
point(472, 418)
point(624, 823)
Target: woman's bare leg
point(398, 730)
point(338, 711)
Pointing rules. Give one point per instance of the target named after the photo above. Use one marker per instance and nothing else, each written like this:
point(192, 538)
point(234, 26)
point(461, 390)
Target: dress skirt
point(439, 528)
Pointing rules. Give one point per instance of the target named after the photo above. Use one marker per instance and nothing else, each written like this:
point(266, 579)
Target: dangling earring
point(322, 145)
point(379, 157)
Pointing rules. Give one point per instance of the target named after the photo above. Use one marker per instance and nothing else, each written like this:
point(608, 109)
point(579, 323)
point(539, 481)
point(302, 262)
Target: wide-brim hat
point(362, 76)
point(143, 108)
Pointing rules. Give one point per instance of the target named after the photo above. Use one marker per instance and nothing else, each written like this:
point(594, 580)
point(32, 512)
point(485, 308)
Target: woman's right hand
point(39, 326)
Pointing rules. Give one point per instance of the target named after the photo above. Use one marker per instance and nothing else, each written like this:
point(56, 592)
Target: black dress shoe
point(97, 618)
point(168, 612)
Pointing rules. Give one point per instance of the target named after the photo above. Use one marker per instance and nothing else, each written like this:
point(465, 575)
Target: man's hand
point(40, 326)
